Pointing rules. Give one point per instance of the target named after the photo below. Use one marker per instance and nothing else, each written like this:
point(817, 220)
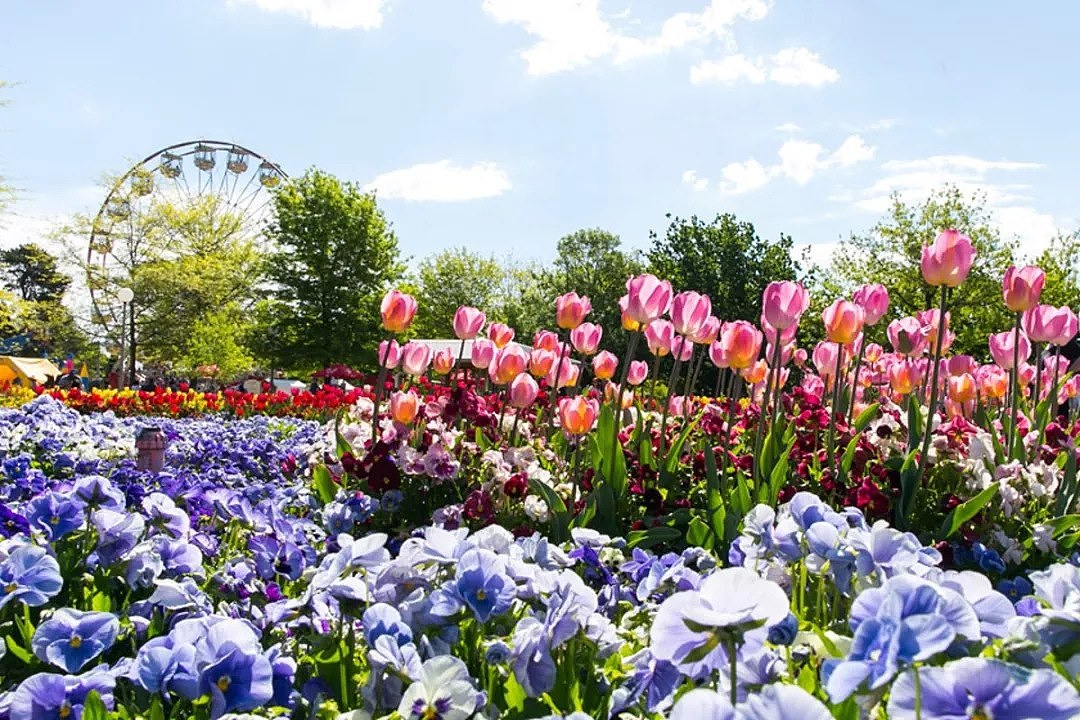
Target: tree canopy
point(336, 255)
point(449, 279)
point(32, 274)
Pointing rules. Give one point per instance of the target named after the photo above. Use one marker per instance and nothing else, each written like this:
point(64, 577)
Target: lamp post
point(125, 295)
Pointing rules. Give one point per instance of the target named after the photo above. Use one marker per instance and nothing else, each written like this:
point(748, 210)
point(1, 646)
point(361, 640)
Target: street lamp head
point(125, 295)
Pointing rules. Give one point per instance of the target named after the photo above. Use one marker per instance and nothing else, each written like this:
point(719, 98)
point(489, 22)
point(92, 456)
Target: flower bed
point(895, 536)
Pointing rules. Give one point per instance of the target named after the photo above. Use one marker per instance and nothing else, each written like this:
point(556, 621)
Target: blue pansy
point(71, 638)
point(30, 575)
point(480, 583)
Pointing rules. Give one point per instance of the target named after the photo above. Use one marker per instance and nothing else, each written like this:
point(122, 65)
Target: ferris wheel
point(225, 178)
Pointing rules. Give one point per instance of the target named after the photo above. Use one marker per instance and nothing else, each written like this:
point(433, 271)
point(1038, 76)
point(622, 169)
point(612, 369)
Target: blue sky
point(503, 124)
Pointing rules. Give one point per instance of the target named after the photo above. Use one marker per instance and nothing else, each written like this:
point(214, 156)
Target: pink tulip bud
point(905, 376)
point(648, 298)
point(468, 322)
point(482, 353)
point(568, 375)
point(825, 358)
point(541, 361)
point(1022, 288)
point(961, 365)
point(1002, 348)
point(689, 311)
point(611, 394)
point(397, 310)
point(948, 259)
point(993, 381)
point(783, 303)
point(1046, 323)
point(586, 338)
point(546, 340)
point(786, 353)
point(682, 348)
point(718, 355)
point(571, 309)
point(523, 391)
point(389, 354)
point(874, 300)
point(755, 373)
point(962, 388)
point(500, 334)
point(708, 332)
point(873, 352)
point(800, 357)
point(415, 358)
point(813, 385)
point(659, 335)
point(604, 365)
point(908, 336)
point(577, 415)
point(637, 372)
point(443, 362)
point(1072, 327)
point(786, 336)
point(843, 321)
point(507, 363)
point(404, 407)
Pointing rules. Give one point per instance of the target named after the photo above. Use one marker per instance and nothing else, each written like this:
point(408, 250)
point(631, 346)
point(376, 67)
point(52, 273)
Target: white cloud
point(800, 66)
point(337, 14)
point(788, 127)
point(743, 177)
point(573, 33)
point(691, 178)
point(799, 160)
point(442, 181)
point(1034, 229)
point(883, 124)
point(790, 66)
point(729, 71)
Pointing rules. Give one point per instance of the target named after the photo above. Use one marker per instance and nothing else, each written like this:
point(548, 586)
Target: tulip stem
point(379, 382)
point(855, 382)
point(672, 381)
point(617, 410)
point(927, 431)
point(733, 670)
point(1014, 390)
point(1054, 386)
point(558, 365)
point(833, 414)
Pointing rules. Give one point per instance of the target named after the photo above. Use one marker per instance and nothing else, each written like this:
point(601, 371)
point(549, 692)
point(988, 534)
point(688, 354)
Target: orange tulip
point(578, 414)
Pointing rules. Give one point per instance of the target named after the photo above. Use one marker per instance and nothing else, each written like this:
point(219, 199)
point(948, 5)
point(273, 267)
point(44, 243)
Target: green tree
point(452, 278)
point(524, 303)
point(337, 255)
point(725, 259)
point(890, 253)
point(215, 340)
point(592, 262)
point(1061, 262)
point(32, 274)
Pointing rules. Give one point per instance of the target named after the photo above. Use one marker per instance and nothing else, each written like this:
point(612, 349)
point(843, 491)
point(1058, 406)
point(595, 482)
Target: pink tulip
point(612, 394)
point(468, 322)
point(874, 300)
point(947, 260)
point(825, 358)
point(443, 362)
point(689, 311)
point(961, 365)
point(1046, 323)
point(586, 338)
point(1071, 388)
point(629, 324)
point(993, 381)
point(648, 298)
point(604, 365)
point(873, 352)
point(546, 340)
point(571, 309)
point(908, 336)
point(659, 336)
point(637, 372)
point(568, 375)
point(415, 358)
point(931, 320)
point(718, 355)
point(682, 348)
point(507, 363)
point(1022, 288)
point(389, 354)
point(813, 385)
point(677, 405)
point(755, 373)
point(577, 415)
point(783, 303)
point(962, 388)
point(1072, 327)
point(843, 321)
point(708, 332)
point(786, 353)
point(541, 361)
point(397, 310)
point(523, 391)
point(482, 353)
point(1002, 348)
point(905, 376)
point(800, 357)
point(786, 336)
point(500, 334)
point(404, 406)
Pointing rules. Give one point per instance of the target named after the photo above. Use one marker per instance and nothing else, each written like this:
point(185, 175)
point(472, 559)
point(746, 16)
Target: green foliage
point(592, 262)
point(891, 251)
point(1061, 262)
point(32, 273)
point(214, 340)
point(452, 278)
point(336, 256)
